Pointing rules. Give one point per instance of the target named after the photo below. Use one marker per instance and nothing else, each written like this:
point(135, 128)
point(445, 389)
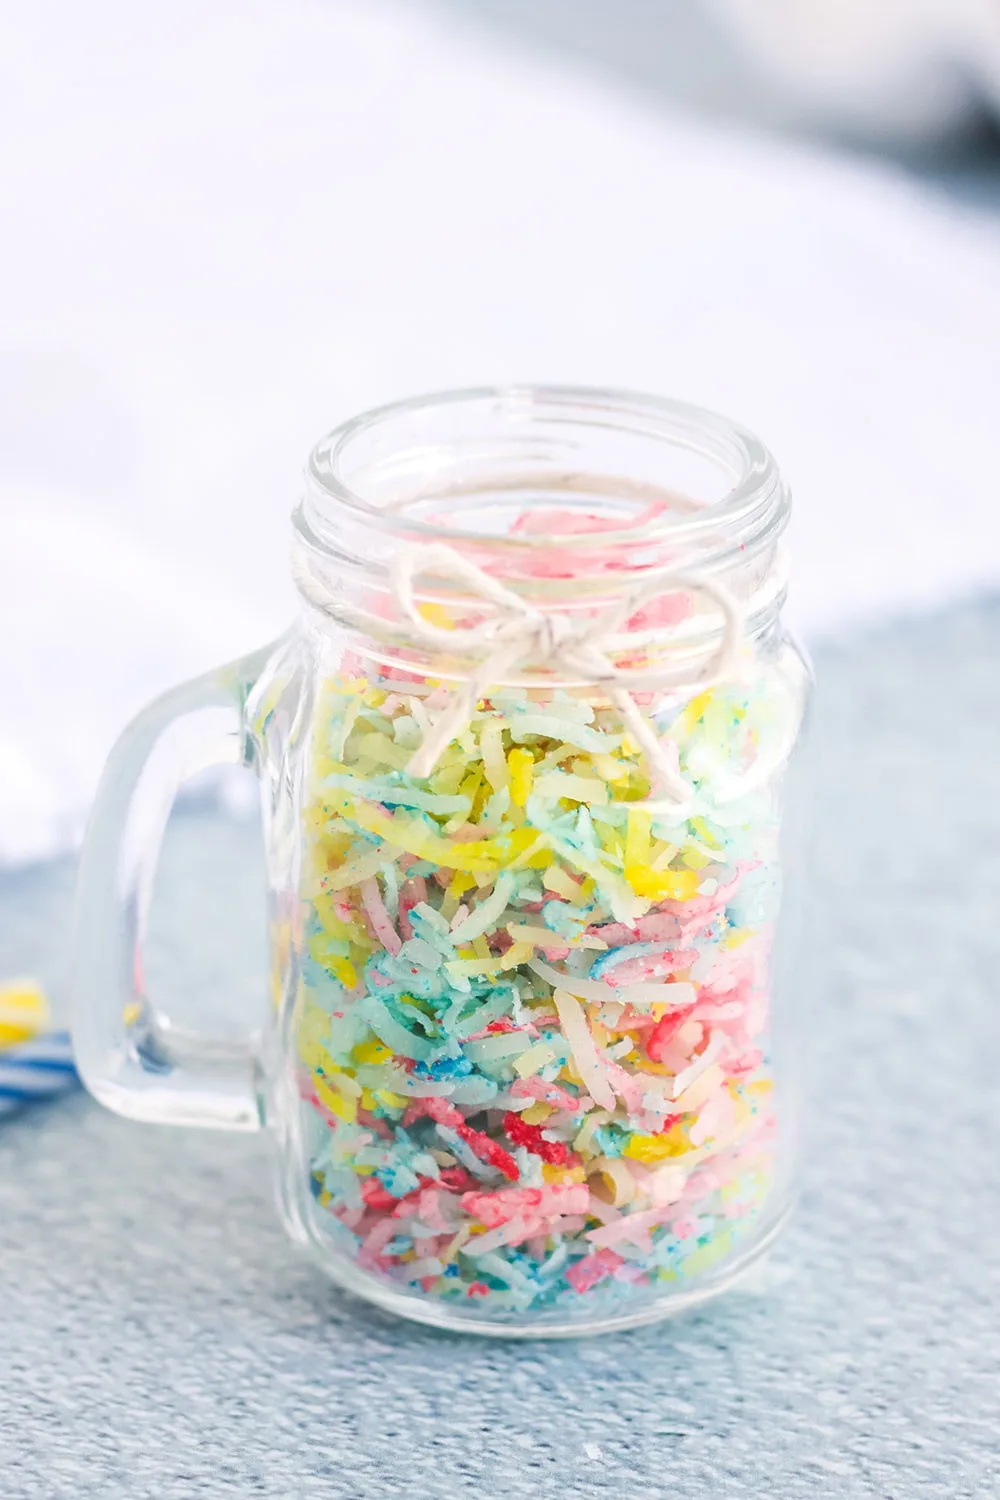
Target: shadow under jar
point(522, 762)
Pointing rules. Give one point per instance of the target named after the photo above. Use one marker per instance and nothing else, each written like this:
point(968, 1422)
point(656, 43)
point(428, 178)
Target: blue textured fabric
point(161, 1339)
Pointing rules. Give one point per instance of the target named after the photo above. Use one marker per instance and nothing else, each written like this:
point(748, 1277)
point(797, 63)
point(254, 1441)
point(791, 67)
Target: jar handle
point(129, 1057)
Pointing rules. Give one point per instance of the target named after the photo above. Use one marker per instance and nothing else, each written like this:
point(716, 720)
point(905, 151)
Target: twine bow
point(584, 648)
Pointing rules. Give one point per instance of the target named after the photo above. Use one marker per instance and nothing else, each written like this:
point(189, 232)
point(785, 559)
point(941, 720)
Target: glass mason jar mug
point(521, 764)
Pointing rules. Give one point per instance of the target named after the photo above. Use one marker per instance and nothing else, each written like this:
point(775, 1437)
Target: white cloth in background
point(236, 223)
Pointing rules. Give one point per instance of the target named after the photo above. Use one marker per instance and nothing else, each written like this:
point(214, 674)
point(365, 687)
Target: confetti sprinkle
point(533, 1033)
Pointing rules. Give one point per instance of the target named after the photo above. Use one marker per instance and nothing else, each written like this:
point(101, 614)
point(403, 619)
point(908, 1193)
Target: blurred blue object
point(920, 82)
point(890, 70)
point(36, 1070)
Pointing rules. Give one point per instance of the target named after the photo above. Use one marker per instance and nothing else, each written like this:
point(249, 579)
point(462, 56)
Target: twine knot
point(588, 648)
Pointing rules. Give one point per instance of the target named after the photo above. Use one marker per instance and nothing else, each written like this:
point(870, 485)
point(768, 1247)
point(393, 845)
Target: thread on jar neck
point(588, 648)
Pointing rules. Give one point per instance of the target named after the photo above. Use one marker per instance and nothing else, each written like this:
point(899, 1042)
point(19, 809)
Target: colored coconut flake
point(534, 1025)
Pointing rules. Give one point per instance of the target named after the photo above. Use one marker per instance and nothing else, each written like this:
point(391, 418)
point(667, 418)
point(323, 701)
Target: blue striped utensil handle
point(39, 1069)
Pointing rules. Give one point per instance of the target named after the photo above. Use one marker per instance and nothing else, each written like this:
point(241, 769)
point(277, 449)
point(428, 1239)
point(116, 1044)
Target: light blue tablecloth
point(161, 1341)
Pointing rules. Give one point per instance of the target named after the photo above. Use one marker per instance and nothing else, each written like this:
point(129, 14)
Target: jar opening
point(511, 474)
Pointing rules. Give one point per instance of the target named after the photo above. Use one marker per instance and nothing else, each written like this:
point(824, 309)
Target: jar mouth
point(520, 470)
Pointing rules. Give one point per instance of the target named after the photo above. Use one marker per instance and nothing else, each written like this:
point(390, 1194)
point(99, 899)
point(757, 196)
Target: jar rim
point(753, 510)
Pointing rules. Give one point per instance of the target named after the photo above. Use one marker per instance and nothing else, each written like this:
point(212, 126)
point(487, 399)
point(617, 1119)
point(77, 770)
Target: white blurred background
point(231, 224)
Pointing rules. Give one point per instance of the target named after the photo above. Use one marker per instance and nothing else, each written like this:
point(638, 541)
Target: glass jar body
point(529, 1054)
point(531, 1064)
